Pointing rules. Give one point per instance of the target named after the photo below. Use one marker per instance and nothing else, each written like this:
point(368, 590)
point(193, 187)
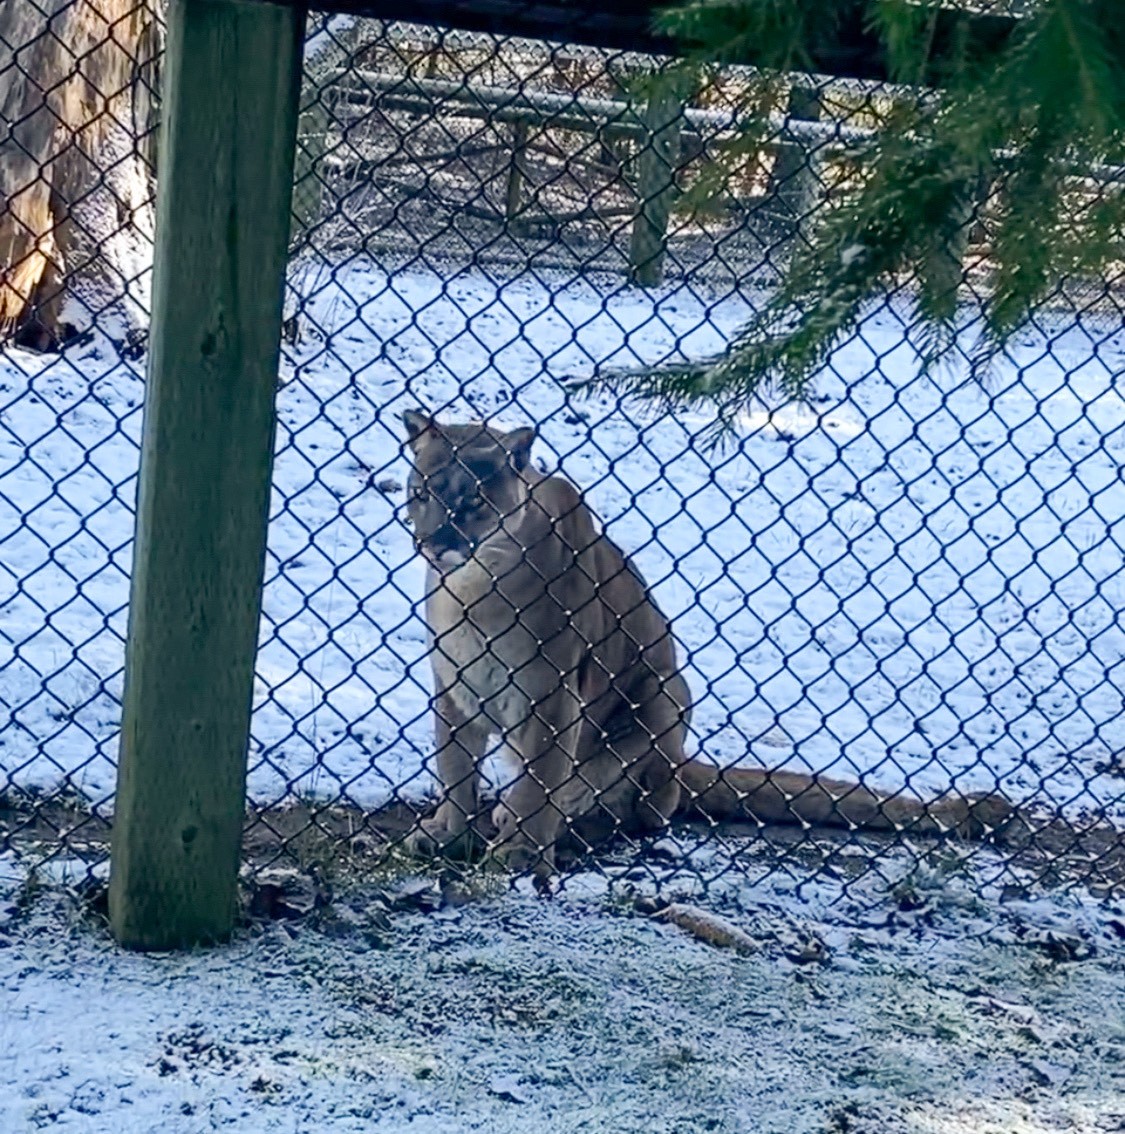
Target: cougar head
point(464, 481)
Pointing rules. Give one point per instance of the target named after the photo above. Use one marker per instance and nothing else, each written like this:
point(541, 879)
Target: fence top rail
point(850, 50)
point(576, 109)
point(580, 111)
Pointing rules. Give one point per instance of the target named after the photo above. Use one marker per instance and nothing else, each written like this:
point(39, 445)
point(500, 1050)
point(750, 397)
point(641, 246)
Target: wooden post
point(513, 196)
point(794, 184)
point(657, 164)
point(946, 266)
point(226, 166)
point(433, 58)
point(978, 228)
point(323, 59)
point(308, 189)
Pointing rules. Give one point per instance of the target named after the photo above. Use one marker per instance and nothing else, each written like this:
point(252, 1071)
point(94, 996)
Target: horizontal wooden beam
point(849, 50)
point(612, 117)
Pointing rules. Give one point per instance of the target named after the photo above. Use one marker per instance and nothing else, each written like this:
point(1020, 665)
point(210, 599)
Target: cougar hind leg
point(662, 722)
point(637, 790)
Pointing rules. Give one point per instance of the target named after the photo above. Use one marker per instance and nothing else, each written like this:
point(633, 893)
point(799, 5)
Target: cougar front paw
point(522, 856)
point(515, 847)
point(446, 836)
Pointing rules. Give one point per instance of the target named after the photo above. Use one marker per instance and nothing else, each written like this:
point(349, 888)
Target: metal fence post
point(226, 163)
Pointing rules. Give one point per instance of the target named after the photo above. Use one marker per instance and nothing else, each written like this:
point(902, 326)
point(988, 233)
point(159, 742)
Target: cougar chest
point(465, 667)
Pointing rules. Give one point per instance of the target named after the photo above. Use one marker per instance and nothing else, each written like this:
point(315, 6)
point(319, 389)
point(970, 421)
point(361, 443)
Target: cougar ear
point(518, 443)
point(417, 424)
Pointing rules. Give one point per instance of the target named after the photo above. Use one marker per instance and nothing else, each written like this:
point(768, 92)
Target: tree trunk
point(78, 83)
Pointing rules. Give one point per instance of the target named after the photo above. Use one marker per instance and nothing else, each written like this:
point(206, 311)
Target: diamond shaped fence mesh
point(883, 628)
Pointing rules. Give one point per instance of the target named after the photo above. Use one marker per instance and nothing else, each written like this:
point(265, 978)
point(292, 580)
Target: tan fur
point(543, 633)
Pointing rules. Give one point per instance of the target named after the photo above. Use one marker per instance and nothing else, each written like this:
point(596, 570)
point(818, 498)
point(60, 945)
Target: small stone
point(388, 486)
point(507, 1087)
point(376, 917)
point(417, 894)
point(1011, 892)
point(812, 952)
point(908, 899)
point(457, 894)
point(665, 850)
point(1061, 946)
point(1048, 1074)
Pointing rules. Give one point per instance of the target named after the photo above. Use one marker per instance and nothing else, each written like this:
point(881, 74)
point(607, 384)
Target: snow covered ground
point(919, 579)
point(954, 1015)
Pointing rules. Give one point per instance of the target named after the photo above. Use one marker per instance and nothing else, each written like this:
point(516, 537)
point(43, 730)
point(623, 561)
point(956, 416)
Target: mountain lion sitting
point(544, 634)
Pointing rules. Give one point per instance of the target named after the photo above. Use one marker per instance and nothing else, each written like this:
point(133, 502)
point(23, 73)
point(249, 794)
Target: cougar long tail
point(758, 796)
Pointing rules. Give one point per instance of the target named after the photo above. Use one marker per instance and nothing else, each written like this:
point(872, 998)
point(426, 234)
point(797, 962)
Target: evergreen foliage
point(1035, 120)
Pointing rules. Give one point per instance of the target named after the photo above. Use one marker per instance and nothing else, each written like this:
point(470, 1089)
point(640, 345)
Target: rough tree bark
point(78, 83)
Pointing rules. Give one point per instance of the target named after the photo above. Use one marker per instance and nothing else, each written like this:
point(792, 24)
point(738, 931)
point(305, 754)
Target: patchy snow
point(918, 578)
point(512, 1013)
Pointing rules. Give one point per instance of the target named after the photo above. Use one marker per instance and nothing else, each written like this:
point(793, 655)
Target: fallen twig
point(708, 927)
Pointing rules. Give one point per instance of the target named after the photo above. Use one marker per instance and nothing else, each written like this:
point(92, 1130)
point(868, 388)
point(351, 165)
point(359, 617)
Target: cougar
point(544, 634)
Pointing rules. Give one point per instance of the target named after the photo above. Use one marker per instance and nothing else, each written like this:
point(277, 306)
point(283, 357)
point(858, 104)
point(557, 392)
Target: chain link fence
point(896, 610)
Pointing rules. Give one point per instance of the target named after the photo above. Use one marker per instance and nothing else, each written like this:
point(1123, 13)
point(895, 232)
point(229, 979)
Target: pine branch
point(1051, 103)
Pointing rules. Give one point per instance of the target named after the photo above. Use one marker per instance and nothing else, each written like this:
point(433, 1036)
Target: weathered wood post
point(326, 54)
point(794, 186)
point(657, 164)
point(948, 266)
point(513, 194)
point(225, 180)
point(945, 267)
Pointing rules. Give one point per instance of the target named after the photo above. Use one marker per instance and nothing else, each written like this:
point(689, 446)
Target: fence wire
point(885, 628)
